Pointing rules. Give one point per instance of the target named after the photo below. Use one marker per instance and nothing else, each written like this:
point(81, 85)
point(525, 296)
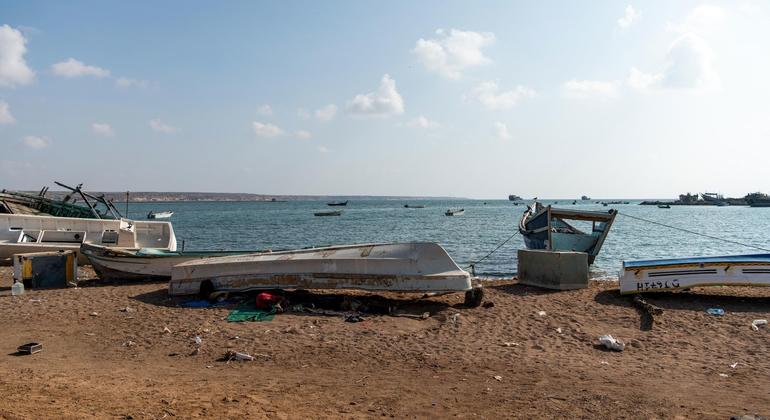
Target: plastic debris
point(715, 311)
point(127, 309)
point(558, 330)
point(734, 365)
point(354, 318)
point(454, 318)
point(756, 323)
point(498, 378)
point(612, 343)
point(541, 313)
point(166, 330)
point(198, 341)
point(510, 344)
point(724, 375)
point(234, 355)
point(94, 314)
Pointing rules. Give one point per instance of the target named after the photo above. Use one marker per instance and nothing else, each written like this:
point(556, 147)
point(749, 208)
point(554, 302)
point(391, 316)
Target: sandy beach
point(128, 351)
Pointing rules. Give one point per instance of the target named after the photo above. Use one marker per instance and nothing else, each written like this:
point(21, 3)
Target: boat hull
point(403, 267)
point(684, 273)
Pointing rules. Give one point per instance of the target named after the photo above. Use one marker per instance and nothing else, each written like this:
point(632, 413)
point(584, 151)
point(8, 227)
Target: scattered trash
point(17, 288)
point(198, 341)
point(36, 300)
point(354, 318)
point(127, 309)
point(268, 300)
point(541, 313)
point(454, 318)
point(166, 330)
point(612, 343)
point(247, 311)
point(558, 330)
point(129, 343)
point(510, 344)
point(94, 314)
point(498, 378)
point(715, 311)
point(425, 315)
point(604, 362)
point(234, 355)
point(756, 323)
point(30, 348)
point(724, 375)
point(734, 365)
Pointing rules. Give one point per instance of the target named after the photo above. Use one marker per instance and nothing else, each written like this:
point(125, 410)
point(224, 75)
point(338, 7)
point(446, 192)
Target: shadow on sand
point(696, 300)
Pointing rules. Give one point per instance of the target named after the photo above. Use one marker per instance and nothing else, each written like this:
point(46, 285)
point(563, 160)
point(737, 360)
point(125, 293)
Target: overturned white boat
point(21, 234)
point(683, 273)
point(403, 267)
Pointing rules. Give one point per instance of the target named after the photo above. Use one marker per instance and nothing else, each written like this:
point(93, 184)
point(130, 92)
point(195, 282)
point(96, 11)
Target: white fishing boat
point(684, 273)
point(112, 263)
point(160, 215)
point(25, 233)
point(402, 267)
point(454, 212)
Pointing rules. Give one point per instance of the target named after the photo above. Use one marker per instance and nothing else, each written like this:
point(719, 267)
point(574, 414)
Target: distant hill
point(144, 196)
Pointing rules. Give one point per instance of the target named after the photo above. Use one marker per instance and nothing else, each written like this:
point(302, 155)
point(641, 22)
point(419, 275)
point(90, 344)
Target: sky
point(431, 98)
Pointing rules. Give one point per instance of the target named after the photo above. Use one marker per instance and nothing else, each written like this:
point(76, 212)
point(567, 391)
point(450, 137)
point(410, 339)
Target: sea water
point(467, 238)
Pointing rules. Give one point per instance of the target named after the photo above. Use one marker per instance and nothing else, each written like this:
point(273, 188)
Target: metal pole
point(127, 205)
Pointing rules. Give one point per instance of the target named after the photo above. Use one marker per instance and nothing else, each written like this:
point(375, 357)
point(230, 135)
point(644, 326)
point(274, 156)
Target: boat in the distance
point(414, 206)
point(514, 197)
point(758, 199)
point(664, 206)
point(545, 227)
point(715, 199)
point(329, 213)
point(160, 215)
point(585, 198)
point(398, 267)
point(113, 263)
point(338, 203)
point(683, 273)
point(21, 234)
point(454, 212)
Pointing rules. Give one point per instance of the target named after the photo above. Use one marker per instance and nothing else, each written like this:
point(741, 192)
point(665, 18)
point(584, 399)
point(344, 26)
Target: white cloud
point(102, 129)
point(383, 103)
point(74, 68)
point(158, 126)
point(5, 114)
point(265, 110)
point(302, 113)
point(125, 83)
point(267, 130)
point(423, 122)
point(450, 54)
point(591, 88)
point(630, 16)
point(487, 93)
point(690, 64)
point(323, 149)
point(701, 20)
point(501, 130)
point(303, 134)
point(35, 142)
point(643, 82)
point(326, 113)
point(13, 68)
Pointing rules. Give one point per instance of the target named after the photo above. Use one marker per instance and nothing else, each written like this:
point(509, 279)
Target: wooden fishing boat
point(544, 227)
point(112, 263)
point(23, 203)
point(338, 203)
point(664, 206)
point(329, 213)
point(160, 215)
point(21, 234)
point(683, 273)
point(454, 212)
point(401, 267)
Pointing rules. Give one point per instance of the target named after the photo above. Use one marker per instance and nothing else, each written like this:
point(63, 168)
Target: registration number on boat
point(643, 286)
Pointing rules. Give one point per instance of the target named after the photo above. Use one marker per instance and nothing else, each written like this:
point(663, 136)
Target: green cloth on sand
point(247, 311)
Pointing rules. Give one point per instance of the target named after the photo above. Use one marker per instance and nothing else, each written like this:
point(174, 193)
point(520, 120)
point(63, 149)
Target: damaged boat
point(545, 227)
point(24, 203)
point(399, 267)
point(682, 273)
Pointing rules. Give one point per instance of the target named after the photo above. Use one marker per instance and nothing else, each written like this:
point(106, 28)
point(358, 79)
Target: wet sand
point(100, 359)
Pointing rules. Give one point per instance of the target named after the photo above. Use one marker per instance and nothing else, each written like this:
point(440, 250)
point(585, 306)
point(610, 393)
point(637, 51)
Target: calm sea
point(467, 238)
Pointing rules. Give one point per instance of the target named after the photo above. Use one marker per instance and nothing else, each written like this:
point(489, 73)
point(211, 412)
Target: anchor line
point(694, 232)
point(472, 265)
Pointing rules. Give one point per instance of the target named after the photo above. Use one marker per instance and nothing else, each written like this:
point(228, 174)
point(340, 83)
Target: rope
point(695, 233)
point(472, 265)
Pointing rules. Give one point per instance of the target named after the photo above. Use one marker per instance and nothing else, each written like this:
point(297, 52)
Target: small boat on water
point(454, 212)
point(514, 197)
point(683, 273)
point(545, 227)
point(112, 263)
point(338, 203)
point(414, 206)
point(585, 198)
point(664, 206)
point(758, 199)
point(160, 215)
point(401, 267)
point(329, 213)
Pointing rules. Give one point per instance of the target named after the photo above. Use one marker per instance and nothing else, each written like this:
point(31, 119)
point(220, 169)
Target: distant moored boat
point(159, 215)
point(329, 213)
point(338, 203)
point(454, 212)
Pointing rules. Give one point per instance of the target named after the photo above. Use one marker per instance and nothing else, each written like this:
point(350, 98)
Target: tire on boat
point(474, 297)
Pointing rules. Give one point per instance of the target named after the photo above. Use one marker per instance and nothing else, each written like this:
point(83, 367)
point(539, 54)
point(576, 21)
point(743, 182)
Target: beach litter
point(354, 318)
point(510, 344)
point(248, 311)
point(734, 365)
point(541, 313)
point(166, 330)
point(127, 309)
point(612, 343)
point(756, 323)
point(94, 314)
point(30, 348)
point(234, 355)
point(715, 311)
point(724, 375)
point(498, 378)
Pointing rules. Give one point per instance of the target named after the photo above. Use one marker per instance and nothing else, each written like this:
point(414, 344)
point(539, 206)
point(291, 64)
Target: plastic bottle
point(17, 288)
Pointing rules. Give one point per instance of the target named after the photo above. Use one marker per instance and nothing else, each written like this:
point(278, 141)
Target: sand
point(101, 360)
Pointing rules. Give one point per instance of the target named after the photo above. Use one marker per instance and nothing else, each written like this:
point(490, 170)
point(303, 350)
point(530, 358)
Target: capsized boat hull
point(111, 263)
point(683, 273)
point(404, 267)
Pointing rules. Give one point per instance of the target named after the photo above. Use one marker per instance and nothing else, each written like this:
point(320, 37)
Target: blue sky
point(481, 99)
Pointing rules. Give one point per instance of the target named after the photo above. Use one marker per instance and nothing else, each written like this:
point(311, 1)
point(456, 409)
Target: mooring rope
point(694, 232)
point(472, 265)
